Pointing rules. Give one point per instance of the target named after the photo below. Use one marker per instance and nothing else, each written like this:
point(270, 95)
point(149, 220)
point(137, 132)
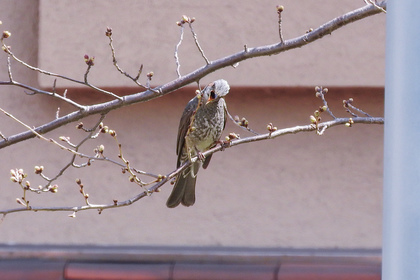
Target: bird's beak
point(209, 100)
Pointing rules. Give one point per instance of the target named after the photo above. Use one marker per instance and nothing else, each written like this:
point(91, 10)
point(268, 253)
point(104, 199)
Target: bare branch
point(348, 105)
point(108, 33)
point(10, 53)
point(196, 41)
point(181, 37)
point(373, 2)
point(248, 53)
point(320, 93)
point(36, 90)
point(280, 9)
point(164, 179)
point(181, 23)
point(40, 136)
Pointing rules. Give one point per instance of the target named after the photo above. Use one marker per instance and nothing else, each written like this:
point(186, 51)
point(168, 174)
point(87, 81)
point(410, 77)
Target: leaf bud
point(64, 138)
point(108, 32)
point(89, 60)
point(232, 136)
point(39, 169)
point(53, 189)
point(6, 34)
point(271, 128)
point(20, 201)
point(73, 215)
point(104, 129)
point(244, 122)
point(184, 18)
point(6, 49)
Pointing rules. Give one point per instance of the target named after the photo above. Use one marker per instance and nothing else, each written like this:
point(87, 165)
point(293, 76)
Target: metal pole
point(401, 221)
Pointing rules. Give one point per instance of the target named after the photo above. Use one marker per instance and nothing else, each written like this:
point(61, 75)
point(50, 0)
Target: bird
point(200, 129)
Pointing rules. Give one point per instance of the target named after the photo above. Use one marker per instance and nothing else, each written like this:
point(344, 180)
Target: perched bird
point(200, 128)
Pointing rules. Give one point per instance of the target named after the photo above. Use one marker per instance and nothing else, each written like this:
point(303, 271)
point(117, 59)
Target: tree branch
point(194, 76)
point(148, 188)
point(164, 179)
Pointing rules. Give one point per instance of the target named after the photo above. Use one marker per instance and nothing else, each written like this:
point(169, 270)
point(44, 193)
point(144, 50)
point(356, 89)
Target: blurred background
point(296, 191)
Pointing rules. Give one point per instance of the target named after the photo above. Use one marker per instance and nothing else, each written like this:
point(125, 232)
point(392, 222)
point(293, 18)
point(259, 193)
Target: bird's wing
point(184, 124)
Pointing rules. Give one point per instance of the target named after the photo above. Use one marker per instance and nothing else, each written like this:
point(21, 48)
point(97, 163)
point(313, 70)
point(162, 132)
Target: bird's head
point(215, 90)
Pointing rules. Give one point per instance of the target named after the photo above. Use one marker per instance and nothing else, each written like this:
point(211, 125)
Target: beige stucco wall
point(296, 191)
point(145, 33)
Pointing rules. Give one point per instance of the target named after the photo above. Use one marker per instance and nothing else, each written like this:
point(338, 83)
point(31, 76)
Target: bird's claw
point(200, 156)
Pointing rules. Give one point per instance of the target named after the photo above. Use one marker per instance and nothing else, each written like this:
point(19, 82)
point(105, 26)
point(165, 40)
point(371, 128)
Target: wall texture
point(297, 191)
point(145, 33)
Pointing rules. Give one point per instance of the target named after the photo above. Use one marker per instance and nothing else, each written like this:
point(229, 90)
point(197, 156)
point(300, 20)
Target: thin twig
point(372, 2)
point(169, 176)
point(9, 69)
point(348, 104)
point(197, 43)
point(359, 110)
point(114, 61)
point(280, 9)
point(316, 34)
point(3, 137)
point(320, 92)
point(95, 87)
point(133, 177)
point(238, 123)
point(76, 149)
point(35, 90)
point(10, 53)
point(50, 140)
point(178, 64)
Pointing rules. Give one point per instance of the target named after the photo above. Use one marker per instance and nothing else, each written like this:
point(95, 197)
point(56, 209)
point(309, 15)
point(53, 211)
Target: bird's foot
point(200, 156)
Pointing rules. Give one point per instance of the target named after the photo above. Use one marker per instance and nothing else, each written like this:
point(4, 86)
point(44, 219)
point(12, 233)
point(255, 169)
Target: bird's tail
point(184, 188)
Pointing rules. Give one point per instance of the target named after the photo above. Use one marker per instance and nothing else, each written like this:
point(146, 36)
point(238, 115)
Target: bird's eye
point(212, 94)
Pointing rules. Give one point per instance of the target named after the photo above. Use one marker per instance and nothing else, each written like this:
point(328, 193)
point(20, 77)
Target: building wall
point(145, 33)
point(297, 191)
